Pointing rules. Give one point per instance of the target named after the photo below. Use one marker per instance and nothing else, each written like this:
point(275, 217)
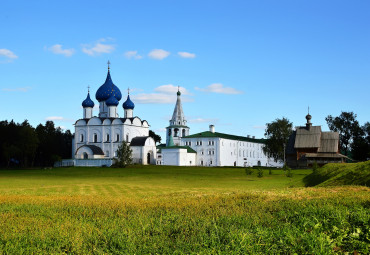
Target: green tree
point(157, 138)
point(277, 134)
point(124, 155)
point(348, 128)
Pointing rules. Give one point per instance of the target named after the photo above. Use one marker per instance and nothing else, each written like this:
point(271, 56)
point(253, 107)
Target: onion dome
point(128, 104)
point(178, 91)
point(88, 102)
point(112, 101)
point(108, 89)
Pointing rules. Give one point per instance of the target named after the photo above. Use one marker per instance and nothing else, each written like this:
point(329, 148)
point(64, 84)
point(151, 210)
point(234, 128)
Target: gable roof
point(329, 142)
point(209, 134)
point(307, 138)
point(139, 141)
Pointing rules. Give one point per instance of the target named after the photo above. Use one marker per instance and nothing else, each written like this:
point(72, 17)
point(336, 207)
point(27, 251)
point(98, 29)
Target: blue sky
point(240, 64)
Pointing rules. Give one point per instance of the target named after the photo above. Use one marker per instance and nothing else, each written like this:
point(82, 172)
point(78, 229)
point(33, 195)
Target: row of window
point(95, 138)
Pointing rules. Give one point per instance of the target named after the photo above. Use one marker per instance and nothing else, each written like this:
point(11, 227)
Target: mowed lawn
point(178, 210)
point(142, 181)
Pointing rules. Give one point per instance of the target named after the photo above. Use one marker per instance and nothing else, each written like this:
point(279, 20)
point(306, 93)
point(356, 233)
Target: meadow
point(178, 210)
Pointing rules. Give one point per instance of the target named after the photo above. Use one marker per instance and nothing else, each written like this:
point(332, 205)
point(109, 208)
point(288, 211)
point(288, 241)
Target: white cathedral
point(97, 138)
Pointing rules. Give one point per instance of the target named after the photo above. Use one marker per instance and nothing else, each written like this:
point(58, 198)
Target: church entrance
point(85, 155)
point(148, 158)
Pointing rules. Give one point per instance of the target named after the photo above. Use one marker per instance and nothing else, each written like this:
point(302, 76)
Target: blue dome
point(88, 102)
point(128, 104)
point(108, 89)
point(112, 101)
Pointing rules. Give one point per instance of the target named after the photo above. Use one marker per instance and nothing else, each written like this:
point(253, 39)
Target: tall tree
point(277, 134)
point(348, 128)
point(157, 138)
point(124, 155)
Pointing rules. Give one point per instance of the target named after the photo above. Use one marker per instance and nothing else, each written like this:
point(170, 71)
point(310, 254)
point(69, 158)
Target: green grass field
point(178, 210)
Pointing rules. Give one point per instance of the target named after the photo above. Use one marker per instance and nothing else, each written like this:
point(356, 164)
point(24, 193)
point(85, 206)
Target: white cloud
point(201, 120)
point(132, 55)
point(54, 118)
point(57, 49)
point(98, 48)
point(24, 89)
point(184, 54)
point(157, 98)
point(219, 88)
point(158, 54)
point(8, 54)
point(171, 89)
point(59, 118)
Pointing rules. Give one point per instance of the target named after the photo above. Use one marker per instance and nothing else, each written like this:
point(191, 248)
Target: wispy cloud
point(184, 54)
point(260, 127)
point(202, 120)
point(158, 54)
point(219, 88)
point(8, 54)
point(171, 89)
point(99, 47)
point(57, 49)
point(59, 118)
point(23, 89)
point(132, 55)
point(164, 94)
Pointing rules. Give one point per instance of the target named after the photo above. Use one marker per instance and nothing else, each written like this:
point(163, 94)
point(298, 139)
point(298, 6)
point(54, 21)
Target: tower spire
point(88, 88)
point(108, 65)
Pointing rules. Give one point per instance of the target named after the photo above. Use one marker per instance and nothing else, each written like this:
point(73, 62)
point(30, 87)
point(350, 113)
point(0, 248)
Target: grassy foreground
point(174, 210)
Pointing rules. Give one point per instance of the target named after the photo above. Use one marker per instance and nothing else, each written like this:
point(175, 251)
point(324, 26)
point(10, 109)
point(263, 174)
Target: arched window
point(183, 132)
point(107, 137)
point(117, 137)
point(107, 154)
point(85, 156)
point(81, 137)
point(176, 132)
point(95, 138)
point(126, 137)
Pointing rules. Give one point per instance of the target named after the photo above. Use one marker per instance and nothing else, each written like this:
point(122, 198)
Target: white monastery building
point(209, 148)
point(97, 138)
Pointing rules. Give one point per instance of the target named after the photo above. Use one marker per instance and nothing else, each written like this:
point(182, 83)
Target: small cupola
point(128, 106)
point(88, 102)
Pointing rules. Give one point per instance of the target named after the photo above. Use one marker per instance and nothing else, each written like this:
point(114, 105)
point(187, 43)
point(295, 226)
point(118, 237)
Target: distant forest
point(25, 146)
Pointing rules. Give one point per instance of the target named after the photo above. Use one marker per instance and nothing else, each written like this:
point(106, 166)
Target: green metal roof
point(209, 134)
point(190, 150)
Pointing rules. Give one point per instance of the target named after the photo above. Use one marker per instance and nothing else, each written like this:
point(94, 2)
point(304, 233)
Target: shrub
point(289, 173)
point(315, 166)
point(249, 171)
point(259, 172)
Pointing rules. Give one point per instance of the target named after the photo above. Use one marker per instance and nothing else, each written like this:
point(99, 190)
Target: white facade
point(212, 148)
point(100, 137)
point(178, 157)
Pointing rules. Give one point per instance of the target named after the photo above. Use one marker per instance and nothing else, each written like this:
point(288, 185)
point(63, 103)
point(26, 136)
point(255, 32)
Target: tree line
point(25, 146)
point(354, 139)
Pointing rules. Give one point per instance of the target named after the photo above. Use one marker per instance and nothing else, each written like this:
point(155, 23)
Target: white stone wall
point(125, 131)
point(227, 152)
point(178, 157)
